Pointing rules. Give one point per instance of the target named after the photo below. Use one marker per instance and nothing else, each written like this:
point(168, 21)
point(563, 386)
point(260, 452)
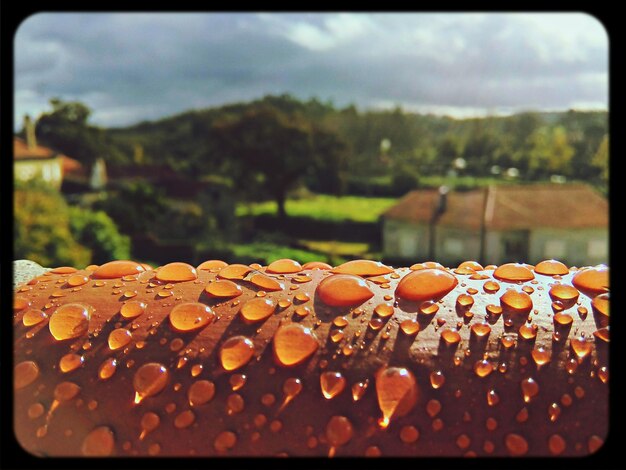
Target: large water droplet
point(223, 288)
point(176, 272)
point(363, 267)
point(257, 309)
point(191, 316)
point(600, 305)
point(551, 267)
point(70, 362)
point(100, 442)
point(293, 344)
point(77, 280)
point(24, 374)
point(516, 301)
point(266, 283)
point(516, 444)
point(149, 380)
point(118, 338)
point(133, 308)
point(513, 272)
point(224, 441)
point(33, 316)
point(212, 265)
point(284, 266)
point(70, 321)
point(184, 419)
point(426, 284)
point(556, 444)
point(592, 281)
point(316, 265)
point(339, 431)
point(117, 269)
point(234, 271)
point(149, 422)
point(332, 384)
point(236, 352)
point(396, 389)
point(343, 290)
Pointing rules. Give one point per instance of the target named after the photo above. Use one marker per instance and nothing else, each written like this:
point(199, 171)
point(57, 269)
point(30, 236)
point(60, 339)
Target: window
point(554, 249)
point(453, 247)
point(597, 248)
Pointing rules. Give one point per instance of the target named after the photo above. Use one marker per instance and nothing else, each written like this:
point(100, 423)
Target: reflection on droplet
point(358, 389)
point(107, 368)
point(530, 389)
point(332, 384)
point(396, 390)
point(437, 379)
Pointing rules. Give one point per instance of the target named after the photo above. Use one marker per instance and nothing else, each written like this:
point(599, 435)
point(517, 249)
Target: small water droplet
point(236, 352)
point(410, 327)
point(528, 331)
point(200, 392)
point(118, 338)
point(581, 346)
point(107, 368)
point(149, 422)
point(516, 444)
point(293, 344)
point(191, 316)
point(530, 389)
point(25, 373)
point(100, 442)
point(481, 329)
point(291, 389)
point(284, 266)
point(212, 265)
point(384, 310)
point(70, 362)
point(556, 444)
point(554, 411)
point(332, 384)
point(176, 272)
point(266, 283)
point(225, 441)
point(483, 368)
point(359, 389)
point(257, 309)
point(33, 316)
point(541, 356)
point(450, 336)
point(339, 431)
point(437, 379)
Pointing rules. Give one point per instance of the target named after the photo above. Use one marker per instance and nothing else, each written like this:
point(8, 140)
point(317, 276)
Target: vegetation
point(313, 175)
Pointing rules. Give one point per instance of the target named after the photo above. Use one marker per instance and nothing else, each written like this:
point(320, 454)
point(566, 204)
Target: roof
point(508, 207)
point(21, 151)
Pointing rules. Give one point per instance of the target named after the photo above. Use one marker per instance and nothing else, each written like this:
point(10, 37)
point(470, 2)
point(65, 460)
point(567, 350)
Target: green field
point(324, 207)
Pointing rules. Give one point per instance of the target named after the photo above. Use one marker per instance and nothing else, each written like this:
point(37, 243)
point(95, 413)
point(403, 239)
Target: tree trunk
point(280, 201)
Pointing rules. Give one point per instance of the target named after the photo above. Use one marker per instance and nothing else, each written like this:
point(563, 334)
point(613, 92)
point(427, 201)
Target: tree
point(600, 160)
point(65, 129)
point(550, 152)
point(41, 228)
point(272, 150)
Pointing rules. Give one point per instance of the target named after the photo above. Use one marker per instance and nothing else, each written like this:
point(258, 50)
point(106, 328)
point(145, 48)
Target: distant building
point(499, 224)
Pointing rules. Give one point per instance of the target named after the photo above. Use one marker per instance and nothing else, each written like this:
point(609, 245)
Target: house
point(499, 224)
point(31, 160)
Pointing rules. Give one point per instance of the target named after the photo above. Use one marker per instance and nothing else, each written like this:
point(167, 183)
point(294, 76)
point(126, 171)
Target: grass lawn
point(325, 207)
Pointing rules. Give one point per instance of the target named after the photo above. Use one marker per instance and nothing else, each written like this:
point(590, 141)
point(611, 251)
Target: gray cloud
point(130, 67)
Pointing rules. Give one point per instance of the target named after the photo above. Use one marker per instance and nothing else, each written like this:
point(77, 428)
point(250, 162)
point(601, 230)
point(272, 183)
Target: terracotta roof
point(509, 207)
point(72, 167)
point(21, 150)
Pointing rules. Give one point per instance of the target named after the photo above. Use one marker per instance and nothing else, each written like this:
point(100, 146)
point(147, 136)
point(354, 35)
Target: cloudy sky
point(129, 67)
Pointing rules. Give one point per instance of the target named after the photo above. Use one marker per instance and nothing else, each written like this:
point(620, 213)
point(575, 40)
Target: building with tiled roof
point(498, 224)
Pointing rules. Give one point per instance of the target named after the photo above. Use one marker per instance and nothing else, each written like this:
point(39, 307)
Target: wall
point(49, 170)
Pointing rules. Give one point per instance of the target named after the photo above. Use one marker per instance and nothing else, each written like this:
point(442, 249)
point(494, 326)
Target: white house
point(498, 224)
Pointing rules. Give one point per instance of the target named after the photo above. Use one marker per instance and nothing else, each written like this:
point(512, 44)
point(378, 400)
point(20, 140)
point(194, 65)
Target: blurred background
point(252, 137)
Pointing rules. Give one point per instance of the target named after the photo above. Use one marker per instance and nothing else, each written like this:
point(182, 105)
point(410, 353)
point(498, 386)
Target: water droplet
point(284, 266)
point(376, 324)
point(516, 444)
point(359, 389)
point(396, 390)
point(384, 310)
point(581, 347)
point(556, 444)
point(551, 267)
point(603, 374)
point(483, 368)
point(33, 316)
point(338, 432)
point(65, 391)
point(266, 283)
point(225, 441)
point(528, 331)
point(212, 265)
point(600, 305)
point(554, 411)
point(491, 287)
point(302, 311)
point(107, 368)
point(433, 407)
point(530, 389)
point(24, 374)
point(493, 310)
point(492, 398)
point(257, 309)
point(119, 338)
point(117, 269)
point(236, 352)
point(70, 321)
point(100, 442)
point(541, 356)
point(77, 280)
point(522, 415)
point(343, 290)
point(464, 301)
point(437, 379)
point(149, 380)
point(35, 410)
point(176, 272)
point(363, 267)
point(133, 308)
point(409, 434)
point(450, 336)
point(149, 422)
point(293, 344)
point(516, 301)
point(184, 419)
point(70, 362)
point(564, 293)
point(200, 392)
point(291, 389)
point(426, 284)
point(513, 272)
point(410, 327)
point(463, 441)
point(191, 316)
point(332, 384)
point(592, 281)
point(481, 329)
point(563, 319)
